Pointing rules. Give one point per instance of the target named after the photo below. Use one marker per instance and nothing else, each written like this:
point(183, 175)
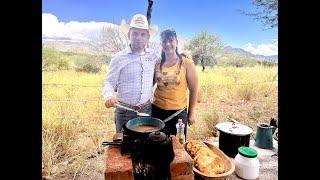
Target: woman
point(174, 74)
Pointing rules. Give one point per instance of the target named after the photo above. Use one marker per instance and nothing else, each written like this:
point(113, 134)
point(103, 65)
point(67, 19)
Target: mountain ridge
point(240, 51)
point(69, 45)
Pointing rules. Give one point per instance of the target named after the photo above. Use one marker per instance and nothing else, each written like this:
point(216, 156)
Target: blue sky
point(187, 17)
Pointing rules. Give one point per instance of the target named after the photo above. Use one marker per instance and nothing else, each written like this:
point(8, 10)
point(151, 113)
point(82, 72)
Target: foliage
point(243, 61)
point(54, 60)
point(204, 48)
point(268, 13)
point(89, 66)
point(268, 63)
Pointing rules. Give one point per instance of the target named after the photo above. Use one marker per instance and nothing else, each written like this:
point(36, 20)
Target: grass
point(75, 120)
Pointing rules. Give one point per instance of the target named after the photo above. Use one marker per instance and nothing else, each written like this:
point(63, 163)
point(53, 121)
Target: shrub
point(91, 68)
point(88, 66)
point(246, 92)
point(63, 64)
point(54, 60)
point(211, 119)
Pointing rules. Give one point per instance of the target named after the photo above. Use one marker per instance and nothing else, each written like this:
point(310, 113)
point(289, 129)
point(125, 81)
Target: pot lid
point(157, 136)
point(234, 128)
point(247, 152)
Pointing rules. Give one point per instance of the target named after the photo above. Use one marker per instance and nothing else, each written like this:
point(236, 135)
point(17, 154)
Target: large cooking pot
point(233, 135)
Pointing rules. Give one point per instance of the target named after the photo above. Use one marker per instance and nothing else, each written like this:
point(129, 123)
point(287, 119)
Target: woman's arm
point(193, 85)
point(155, 70)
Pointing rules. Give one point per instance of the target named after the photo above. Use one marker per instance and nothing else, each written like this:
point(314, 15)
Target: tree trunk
point(202, 63)
point(150, 2)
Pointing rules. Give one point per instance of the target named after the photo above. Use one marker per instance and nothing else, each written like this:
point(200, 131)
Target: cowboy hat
point(138, 21)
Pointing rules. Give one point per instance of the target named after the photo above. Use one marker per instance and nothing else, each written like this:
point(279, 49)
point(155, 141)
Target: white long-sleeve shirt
point(131, 76)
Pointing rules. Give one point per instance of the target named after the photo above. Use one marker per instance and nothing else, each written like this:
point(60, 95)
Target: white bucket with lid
point(247, 164)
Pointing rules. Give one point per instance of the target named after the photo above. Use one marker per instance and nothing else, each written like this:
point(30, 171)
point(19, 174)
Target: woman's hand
point(192, 119)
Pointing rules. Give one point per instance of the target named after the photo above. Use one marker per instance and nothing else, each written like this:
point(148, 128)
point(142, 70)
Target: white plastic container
point(247, 164)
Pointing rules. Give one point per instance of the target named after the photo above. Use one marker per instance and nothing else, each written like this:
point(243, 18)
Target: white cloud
point(263, 49)
point(52, 28)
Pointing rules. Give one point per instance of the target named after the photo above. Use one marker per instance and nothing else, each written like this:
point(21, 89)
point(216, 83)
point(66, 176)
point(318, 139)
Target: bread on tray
point(205, 160)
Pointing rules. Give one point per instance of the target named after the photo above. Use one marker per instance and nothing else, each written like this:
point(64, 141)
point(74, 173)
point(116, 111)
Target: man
point(131, 73)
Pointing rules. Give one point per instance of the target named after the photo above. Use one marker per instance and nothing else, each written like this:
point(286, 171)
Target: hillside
point(239, 51)
point(66, 45)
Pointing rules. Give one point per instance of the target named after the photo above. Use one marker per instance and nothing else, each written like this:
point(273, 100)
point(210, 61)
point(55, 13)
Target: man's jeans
point(122, 116)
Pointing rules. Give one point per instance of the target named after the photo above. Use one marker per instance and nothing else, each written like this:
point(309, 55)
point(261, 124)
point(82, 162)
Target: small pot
point(232, 136)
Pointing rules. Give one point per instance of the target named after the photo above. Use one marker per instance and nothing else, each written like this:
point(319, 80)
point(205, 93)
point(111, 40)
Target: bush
point(246, 93)
point(88, 66)
point(268, 63)
point(211, 119)
point(63, 64)
point(105, 59)
point(91, 68)
point(54, 60)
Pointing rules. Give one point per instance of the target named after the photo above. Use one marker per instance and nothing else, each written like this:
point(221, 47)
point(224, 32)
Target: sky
point(80, 19)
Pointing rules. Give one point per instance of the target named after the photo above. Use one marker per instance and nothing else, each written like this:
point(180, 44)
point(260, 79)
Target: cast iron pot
point(159, 151)
point(159, 143)
point(232, 136)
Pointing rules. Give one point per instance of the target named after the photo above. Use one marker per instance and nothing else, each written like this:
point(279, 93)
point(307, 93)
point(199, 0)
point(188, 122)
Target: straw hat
point(138, 21)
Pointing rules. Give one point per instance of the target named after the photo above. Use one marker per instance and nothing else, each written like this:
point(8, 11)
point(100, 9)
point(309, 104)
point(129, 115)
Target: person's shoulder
point(154, 52)
point(120, 54)
point(187, 58)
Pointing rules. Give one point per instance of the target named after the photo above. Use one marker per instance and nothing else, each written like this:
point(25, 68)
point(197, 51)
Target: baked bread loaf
point(205, 160)
point(194, 146)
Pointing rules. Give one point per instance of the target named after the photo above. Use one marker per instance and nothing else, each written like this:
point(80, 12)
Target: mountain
point(273, 57)
point(239, 51)
point(82, 46)
point(66, 45)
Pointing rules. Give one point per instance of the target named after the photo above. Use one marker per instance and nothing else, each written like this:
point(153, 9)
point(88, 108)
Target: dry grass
point(74, 129)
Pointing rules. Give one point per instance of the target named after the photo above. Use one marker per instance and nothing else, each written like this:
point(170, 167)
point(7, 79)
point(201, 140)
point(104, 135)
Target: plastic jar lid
point(247, 152)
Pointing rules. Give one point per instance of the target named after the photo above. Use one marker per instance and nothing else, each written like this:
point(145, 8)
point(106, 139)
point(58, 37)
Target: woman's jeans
point(171, 124)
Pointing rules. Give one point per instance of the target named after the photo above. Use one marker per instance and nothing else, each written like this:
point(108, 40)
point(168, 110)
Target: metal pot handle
point(111, 143)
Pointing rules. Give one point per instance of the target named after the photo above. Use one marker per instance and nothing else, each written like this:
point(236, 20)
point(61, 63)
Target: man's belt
point(137, 107)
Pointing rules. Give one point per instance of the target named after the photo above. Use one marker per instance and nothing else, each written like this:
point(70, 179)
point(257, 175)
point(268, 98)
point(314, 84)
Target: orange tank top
point(171, 89)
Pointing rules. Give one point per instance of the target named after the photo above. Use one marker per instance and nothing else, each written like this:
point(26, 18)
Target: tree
point(204, 47)
point(110, 39)
point(268, 13)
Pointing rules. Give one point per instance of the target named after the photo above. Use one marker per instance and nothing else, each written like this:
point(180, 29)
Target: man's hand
point(110, 102)
point(192, 119)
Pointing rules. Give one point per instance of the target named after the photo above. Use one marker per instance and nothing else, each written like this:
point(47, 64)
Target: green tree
point(266, 12)
point(204, 47)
